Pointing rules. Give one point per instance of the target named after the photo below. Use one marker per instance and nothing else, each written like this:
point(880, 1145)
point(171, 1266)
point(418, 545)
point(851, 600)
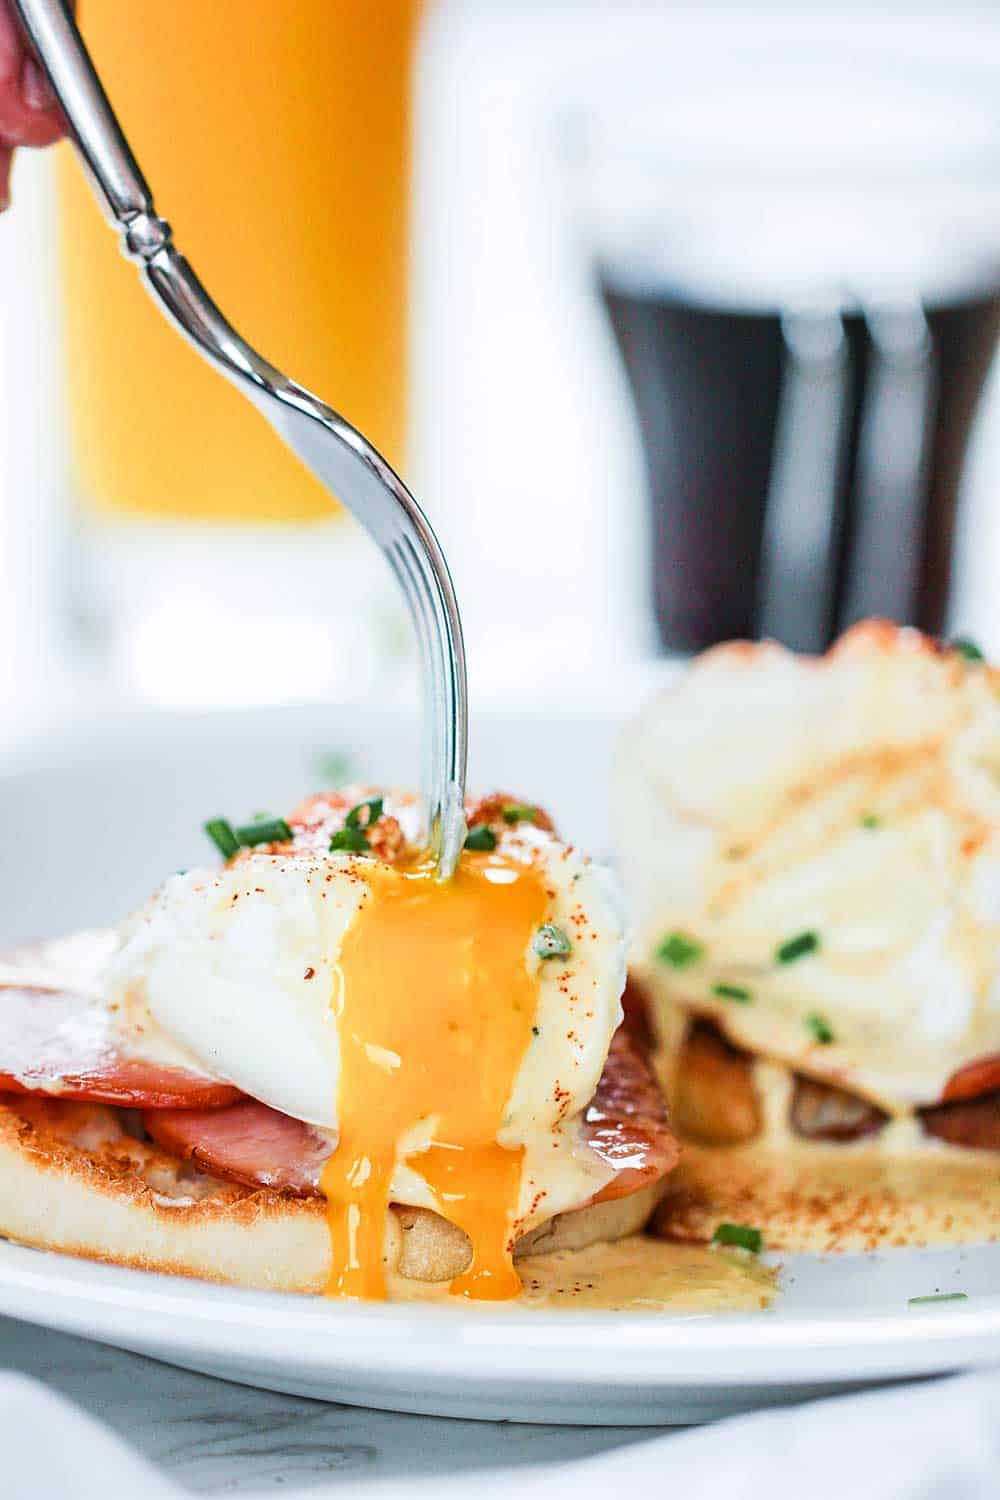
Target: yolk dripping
point(435, 1006)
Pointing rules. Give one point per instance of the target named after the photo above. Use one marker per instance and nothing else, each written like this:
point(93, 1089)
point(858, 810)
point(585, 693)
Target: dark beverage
point(710, 389)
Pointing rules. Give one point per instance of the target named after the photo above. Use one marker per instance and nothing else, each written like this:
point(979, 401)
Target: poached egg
point(447, 1037)
point(812, 846)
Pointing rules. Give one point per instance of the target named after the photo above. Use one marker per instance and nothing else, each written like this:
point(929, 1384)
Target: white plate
point(91, 824)
point(842, 1322)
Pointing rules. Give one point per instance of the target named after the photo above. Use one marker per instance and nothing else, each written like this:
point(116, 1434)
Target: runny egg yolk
point(435, 1004)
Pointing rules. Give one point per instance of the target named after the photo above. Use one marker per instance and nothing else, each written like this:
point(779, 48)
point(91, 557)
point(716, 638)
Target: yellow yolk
point(435, 1004)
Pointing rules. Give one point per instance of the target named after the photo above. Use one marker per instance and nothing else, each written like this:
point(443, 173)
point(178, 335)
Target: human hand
point(29, 115)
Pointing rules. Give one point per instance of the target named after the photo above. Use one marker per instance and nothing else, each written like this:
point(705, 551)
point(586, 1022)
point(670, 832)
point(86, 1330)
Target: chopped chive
point(220, 831)
point(374, 809)
point(820, 1029)
point(870, 820)
point(797, 947)
point(679, 950)
point(519, 812)
point(938, 1297)
point(551, 942)
point(270, 831)
point(739, 1235)
point(354, 840)
point(967, 648)
point(732, 992)
point(481, 839)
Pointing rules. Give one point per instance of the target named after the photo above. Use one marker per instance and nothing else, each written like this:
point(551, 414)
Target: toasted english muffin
point(74, 1179)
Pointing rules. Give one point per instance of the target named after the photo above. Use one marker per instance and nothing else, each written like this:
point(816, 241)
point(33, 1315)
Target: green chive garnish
point(967, 648)
point(938, 1297)
point(797, 947)
point(870, 820)
point(820, 1029)
point(354, 840)
point(551, 942)
point(481, 839)
point(739, 1235)
point(679, 950)
point(374, 808)
point(220, 831)
point(519, 812)
point(270, 831)
point(732, 992)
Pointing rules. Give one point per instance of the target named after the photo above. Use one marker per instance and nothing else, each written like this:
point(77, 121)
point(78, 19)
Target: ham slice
point(974, 1080)
point(974, 1123)
point(248, 1142)
point(625, 1125)
point(65, 1042)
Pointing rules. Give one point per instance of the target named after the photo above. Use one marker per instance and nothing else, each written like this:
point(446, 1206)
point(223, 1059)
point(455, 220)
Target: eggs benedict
point(319, 1068)
point(813, 849)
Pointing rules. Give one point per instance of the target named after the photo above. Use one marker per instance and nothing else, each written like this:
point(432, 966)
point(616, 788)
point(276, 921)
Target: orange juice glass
point(275, 136)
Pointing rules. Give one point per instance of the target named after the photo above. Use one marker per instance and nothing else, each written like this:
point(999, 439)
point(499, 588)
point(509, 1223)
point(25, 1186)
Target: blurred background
point(679, 321)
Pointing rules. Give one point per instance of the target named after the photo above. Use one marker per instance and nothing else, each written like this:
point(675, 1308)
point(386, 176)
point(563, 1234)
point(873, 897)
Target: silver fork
point(344, 460)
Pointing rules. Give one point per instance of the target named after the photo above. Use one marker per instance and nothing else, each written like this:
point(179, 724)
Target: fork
point(340, 456)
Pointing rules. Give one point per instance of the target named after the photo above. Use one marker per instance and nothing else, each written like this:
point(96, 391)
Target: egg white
point(236, 967)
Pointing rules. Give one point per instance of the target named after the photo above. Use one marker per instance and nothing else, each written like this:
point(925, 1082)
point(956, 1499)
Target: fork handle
point(55, 38)
point(351, 466)
point(52, 32)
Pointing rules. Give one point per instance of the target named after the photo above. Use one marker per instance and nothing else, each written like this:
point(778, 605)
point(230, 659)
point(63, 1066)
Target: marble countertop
point(218, 1438)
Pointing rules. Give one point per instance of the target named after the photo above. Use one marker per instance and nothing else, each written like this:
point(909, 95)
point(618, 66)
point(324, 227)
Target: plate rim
point(170, 1315)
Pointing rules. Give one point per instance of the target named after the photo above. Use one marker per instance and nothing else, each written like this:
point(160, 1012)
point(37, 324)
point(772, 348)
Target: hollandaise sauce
point(435, 998)
point(835, 1198)
point(637, 1274)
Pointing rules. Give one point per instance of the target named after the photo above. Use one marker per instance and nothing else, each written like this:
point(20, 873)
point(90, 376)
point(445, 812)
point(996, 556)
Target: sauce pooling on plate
point(831, 1199)
point(435, 1004)
point(637, 1274)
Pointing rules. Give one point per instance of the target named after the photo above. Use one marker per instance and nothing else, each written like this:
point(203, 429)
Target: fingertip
point(36, 91)
point(29, 113)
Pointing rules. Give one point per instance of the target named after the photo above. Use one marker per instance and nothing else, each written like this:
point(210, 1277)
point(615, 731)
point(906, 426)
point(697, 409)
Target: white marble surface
point(217, 1438)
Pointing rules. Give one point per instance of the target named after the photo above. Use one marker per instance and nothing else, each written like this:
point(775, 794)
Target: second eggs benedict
point(814, 844)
